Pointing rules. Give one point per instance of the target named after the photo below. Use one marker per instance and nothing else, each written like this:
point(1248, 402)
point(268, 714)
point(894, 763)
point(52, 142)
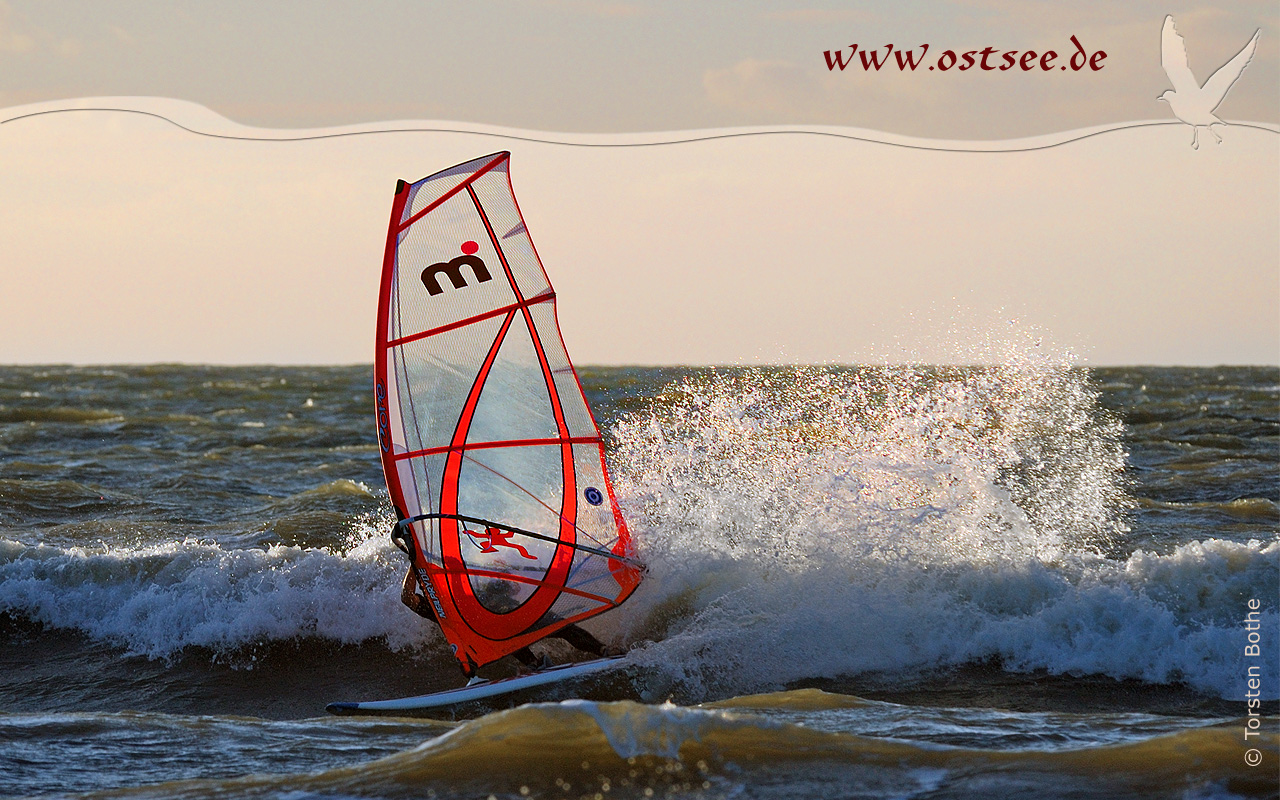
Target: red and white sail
point(489, 449)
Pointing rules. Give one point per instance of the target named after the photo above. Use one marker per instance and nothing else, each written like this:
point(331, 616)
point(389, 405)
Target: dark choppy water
point(1025, 581)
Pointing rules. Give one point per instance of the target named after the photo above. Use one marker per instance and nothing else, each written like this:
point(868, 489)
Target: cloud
point(12, 39)
point(809, 15)
point(596, 8)
point(1075, 238)
point(18, 36)
point(1039, 16)
point(760, 85)
point(122, 35)
point(786, 92)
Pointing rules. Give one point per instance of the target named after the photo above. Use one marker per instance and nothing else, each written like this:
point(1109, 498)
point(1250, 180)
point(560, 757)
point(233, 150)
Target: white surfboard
point(479, 690)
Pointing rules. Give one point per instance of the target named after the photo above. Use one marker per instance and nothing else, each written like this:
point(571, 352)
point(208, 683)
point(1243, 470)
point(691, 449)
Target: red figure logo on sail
point(493, 538)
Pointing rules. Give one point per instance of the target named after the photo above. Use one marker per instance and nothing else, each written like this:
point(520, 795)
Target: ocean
point(1027, 579)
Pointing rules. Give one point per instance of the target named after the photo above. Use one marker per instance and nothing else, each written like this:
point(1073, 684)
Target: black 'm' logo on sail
point(453, 269)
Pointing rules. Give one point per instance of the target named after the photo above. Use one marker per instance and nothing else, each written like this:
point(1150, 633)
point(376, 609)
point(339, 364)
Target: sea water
point(1026, 579)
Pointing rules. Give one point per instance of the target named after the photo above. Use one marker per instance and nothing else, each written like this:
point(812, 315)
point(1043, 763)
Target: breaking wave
point(799, 525)
point(817, 523)
point(156, 600)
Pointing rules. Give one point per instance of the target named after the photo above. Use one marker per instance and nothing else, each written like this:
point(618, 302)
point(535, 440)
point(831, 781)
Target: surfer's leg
point(580, 639)
point(526, 657)
point(469, 669)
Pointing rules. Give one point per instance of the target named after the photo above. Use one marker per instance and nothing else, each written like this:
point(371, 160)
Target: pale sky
point(626, 65)
point(127, 239)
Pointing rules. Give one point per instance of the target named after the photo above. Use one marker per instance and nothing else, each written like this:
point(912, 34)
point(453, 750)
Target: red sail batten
point(462, 323)
point(433, 451)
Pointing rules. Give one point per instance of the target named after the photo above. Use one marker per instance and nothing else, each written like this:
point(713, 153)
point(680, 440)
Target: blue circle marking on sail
point(593, 495)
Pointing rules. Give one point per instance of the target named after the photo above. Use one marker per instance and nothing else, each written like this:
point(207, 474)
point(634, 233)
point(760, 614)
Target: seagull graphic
point(1189, 101)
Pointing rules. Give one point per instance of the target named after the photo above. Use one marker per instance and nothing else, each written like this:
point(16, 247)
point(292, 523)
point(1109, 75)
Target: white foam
point(156, 600)
point(810, 524)
point(820, 524)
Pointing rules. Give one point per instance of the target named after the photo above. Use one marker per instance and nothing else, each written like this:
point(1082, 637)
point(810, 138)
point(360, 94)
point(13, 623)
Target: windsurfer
point(571, 633)
point(484, 432)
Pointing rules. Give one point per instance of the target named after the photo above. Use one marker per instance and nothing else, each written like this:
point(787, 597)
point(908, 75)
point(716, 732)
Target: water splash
point(817, 522)
point(893, 463)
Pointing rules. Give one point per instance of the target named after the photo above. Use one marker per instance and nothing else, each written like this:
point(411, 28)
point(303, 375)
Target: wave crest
point(818, 522)
point(157, 600)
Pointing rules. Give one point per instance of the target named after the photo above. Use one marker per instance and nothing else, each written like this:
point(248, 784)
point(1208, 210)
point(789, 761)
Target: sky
point(625, 65)
point(131, 240)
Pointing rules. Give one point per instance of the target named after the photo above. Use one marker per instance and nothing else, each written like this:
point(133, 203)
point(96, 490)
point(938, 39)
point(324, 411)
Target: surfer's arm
point(410, 597)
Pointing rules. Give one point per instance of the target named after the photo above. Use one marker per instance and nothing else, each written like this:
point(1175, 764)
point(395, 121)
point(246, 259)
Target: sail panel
point(439, 261)
point(514, 404)
point(517, 487)
point(485, 432)
point(436, 376)
point(573, 402)
point(422, 476)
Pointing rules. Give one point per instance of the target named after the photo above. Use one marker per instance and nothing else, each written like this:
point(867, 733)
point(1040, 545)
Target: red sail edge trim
point(381, 377)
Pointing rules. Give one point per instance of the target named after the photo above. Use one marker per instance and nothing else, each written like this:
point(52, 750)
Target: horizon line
point(715, 365)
